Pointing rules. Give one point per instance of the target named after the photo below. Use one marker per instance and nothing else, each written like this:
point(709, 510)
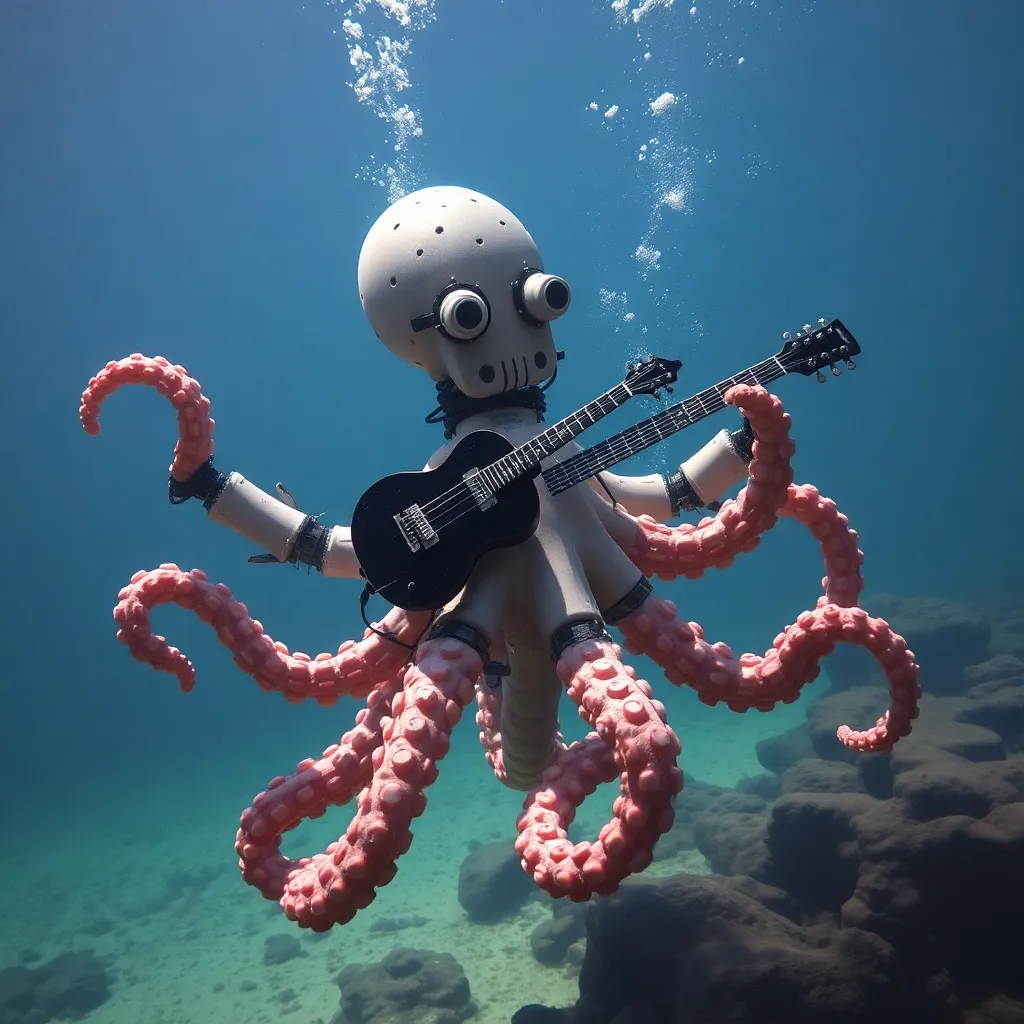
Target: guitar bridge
point(416, 529)
point(482, 494)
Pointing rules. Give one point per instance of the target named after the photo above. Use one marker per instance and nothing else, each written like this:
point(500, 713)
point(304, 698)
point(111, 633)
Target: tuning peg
point(631, 366)
point(821, 377)
point(786, 336)
point(805, 328)
point(850, 364)
point(836, 371)
point(821, 321)
point(656, 393)
point(668, 388)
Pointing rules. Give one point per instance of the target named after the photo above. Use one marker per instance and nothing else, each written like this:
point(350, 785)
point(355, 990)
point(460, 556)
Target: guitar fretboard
point(527, 456)
point(658, 427)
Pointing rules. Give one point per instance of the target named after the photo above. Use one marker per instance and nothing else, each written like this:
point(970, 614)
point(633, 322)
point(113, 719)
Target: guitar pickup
point(482, 494)
point(416, 529)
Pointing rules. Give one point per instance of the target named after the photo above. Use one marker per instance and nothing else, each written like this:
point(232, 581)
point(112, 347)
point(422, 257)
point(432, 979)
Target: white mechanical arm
point(275, 524)
point(700, 482)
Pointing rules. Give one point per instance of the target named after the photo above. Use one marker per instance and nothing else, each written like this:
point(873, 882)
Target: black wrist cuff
point(206, 484)
point(576, 633)
point(742, 441)
point(681, 494)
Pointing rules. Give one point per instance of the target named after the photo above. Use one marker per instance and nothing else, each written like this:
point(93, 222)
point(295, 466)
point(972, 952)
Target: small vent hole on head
point(396, 227)
point(394, 281)
point(415, 363)
point(419, 252)
point(502, 223)
point(472, 200)
point(439, 230)
point(479, 241)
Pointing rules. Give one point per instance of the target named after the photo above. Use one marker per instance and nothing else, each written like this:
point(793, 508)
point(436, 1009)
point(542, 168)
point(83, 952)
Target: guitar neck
point(527, 457)
point(658, 427)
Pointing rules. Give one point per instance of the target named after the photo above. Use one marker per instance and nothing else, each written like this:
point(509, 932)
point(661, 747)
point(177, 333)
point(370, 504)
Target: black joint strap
point(494, 672)
point(311, 546)
point(205, 483)
point(469, 635)
point(629, 603)
point(577, 632)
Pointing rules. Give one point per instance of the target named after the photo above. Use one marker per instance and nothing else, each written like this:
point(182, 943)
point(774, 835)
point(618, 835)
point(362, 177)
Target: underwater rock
point(279, 949)
point(695, 798)
point(492, 883)
point(551, 939)
point(765, 785)
point(812, 775)
point(729, 830)
point(994, 674)
point(898, 904)
point(699, 949)
point(996, 705)
point(945, 637)
point(1008, 632)
point(414, 986)
point(65, 988)
point(776, 753)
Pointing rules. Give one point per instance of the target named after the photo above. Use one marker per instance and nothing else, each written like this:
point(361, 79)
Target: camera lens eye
point(464, 314)
point(468, 314)
point(556, 293)
point(541, 297)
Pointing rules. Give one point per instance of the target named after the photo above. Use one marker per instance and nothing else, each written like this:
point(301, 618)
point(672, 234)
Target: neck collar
point(454, 407)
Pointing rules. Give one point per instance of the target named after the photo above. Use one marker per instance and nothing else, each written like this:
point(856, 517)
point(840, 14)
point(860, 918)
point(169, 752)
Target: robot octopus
point(453, 284)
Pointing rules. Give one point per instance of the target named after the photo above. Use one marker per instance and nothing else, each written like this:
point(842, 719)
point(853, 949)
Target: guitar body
point(430, 577)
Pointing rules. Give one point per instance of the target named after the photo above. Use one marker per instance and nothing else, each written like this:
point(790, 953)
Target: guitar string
point(657, 428)
point(710, 401)
point(710, 404)
point(681, 407)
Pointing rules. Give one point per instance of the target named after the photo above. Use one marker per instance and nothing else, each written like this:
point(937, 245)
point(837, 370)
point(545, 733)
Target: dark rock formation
point(279, 949)
point(492, 883)
point(551, 939)
point(65, 988)
point(414, 986)
point(885, 888)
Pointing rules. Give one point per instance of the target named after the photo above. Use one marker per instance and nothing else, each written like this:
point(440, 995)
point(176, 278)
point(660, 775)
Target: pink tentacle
point(354, 671)
point(403, 742)
point(761, 682)
point(843, 582)
point(343, 770)
point(631, 739)
point(488, 719)
point(688, 550)
point(195, 427)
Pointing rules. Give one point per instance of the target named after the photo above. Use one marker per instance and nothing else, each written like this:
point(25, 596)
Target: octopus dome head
point(452, 282)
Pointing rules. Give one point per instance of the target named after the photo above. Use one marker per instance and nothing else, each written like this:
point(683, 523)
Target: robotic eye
point(539, 297)
point(463, 314)
point(460, 313)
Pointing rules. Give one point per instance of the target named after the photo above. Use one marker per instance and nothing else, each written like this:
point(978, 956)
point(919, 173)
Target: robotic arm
point(274, 523)
point(700, 482)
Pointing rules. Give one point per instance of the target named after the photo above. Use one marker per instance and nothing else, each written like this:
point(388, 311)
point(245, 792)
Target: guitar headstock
point(653, 374)
point(813, 348)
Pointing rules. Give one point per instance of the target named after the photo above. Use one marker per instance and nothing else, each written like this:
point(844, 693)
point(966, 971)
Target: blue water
point(191, 180)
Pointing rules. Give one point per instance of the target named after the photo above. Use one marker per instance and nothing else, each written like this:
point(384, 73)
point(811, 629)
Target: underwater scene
point(512, 512)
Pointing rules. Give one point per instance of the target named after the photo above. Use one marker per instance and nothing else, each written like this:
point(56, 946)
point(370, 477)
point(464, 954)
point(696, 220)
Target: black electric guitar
point(417, 536)
point(809, 351)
